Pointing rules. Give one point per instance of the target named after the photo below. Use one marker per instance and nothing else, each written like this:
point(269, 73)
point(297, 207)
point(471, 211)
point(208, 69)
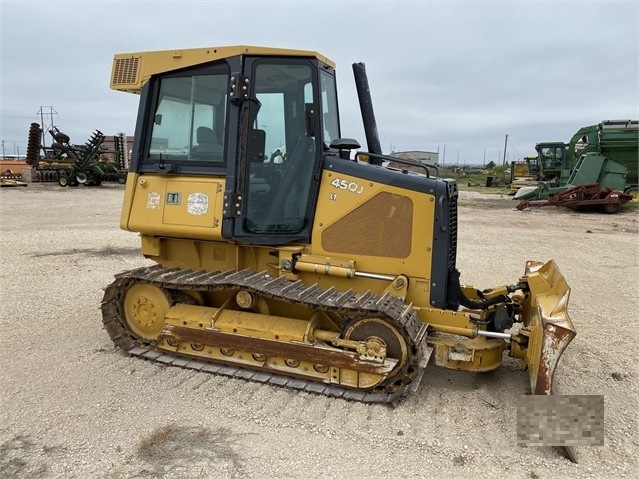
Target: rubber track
point(343, 303)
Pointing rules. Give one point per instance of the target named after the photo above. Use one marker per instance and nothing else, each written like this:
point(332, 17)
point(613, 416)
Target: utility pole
point(505, 146)
point(42, 115)
point(484, 156)
point(444, 160)
point(3, 157)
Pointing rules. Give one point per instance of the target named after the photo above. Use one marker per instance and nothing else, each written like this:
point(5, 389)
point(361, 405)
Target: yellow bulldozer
point(285, 255)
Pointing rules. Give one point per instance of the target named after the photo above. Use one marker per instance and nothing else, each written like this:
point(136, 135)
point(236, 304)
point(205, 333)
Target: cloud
point(461, 74)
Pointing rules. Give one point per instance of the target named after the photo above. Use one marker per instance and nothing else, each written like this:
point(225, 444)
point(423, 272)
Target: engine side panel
point(390, 223)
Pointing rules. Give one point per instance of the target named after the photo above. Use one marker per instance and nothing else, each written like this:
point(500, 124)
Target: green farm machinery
point(598, 167)
point(72, 165)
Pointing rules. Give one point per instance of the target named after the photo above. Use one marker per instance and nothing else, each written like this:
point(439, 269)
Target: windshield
point(551, 157)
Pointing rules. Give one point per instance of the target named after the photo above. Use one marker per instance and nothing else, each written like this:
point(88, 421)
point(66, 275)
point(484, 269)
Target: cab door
point(279, 152)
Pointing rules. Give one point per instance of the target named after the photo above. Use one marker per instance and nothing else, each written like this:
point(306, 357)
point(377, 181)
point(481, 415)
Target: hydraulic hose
point(456, 295)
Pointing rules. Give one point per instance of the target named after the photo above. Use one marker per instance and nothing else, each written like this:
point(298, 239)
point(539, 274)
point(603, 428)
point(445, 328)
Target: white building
point(430, 157)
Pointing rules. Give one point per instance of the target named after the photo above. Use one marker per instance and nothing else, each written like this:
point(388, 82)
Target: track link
point(345, 304)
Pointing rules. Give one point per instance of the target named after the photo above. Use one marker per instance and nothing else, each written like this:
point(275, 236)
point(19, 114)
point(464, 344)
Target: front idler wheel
point(145, 309)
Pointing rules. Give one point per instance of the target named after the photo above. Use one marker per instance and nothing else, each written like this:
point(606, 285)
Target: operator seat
point(206, 143)
point(291, 198)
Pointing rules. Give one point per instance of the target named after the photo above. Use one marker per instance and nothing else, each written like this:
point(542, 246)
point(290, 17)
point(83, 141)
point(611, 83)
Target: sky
point(445, 76)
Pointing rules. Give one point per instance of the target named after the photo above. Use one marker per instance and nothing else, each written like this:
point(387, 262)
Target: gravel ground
point(73, 406)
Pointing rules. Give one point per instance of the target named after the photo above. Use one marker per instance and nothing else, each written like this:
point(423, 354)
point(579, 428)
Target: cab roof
point(132, 70)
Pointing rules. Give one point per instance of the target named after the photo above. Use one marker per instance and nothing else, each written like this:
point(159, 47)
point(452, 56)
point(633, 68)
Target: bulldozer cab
point(261, 123)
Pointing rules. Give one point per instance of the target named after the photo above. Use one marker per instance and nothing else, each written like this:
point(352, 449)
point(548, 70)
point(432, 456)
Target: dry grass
point(17, 458)
point(150, 445)
point(188, 450)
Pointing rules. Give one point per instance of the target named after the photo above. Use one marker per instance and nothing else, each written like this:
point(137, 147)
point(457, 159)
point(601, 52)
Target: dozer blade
point(546, 319)
point(549, 327)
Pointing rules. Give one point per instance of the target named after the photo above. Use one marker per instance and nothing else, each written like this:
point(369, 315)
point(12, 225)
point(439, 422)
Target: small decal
point(153, 201)
point(173, 198)
point(347, 185)
point(197, 204)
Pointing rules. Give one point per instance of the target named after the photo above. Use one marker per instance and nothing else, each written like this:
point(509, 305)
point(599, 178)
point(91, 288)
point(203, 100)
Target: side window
point(330, 117)
point(171, 122)
point(559, 157)
point(547, 157)
point(189, 122)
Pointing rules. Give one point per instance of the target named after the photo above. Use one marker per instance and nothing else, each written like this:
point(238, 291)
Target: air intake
point(125, 71)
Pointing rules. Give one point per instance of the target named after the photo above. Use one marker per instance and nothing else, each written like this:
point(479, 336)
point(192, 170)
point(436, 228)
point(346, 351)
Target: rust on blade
point(557, 334)
point(549, 326)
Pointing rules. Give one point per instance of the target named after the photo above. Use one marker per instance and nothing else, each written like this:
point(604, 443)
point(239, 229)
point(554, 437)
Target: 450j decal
point(347, 185)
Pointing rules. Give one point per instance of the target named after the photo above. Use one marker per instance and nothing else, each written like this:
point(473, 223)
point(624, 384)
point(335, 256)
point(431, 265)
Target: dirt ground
point(74, 406)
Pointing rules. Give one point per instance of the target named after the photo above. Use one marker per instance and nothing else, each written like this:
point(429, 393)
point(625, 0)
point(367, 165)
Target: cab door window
point(283, 156)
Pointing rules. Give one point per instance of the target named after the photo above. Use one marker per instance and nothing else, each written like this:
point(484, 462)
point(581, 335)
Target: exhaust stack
point(368, 115)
